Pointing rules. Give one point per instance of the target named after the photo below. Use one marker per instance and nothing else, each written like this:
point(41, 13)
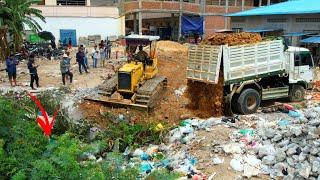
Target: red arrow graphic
point(45, 124)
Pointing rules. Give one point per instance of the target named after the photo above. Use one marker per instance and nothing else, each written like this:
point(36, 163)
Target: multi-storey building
point(81, 18)
point(118, 17)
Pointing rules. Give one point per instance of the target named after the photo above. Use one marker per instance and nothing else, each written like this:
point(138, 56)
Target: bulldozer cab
point(149, 43)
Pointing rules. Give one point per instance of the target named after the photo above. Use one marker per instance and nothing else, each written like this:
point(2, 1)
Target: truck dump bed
point(239, 63)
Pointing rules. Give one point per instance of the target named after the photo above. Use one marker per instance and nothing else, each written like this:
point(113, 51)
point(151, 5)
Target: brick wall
point(213, 23)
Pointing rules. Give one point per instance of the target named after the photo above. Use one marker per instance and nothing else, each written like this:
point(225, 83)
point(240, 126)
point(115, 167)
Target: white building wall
point(83, 26)
point(291, 25)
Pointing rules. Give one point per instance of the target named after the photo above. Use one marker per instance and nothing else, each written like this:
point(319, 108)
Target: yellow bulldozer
point(137, 83)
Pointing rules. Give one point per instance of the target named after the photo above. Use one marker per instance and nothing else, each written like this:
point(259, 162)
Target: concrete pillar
point(180, 24)
point(172, 26)
point(140, 22)
point(268, 3)
point(180, 21)
point(226, 18)
point(260, 3)
point(88, 3)
point(242, 5)
point(135, 25)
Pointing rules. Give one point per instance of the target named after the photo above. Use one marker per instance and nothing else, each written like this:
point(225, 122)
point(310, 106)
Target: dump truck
point(252, 72)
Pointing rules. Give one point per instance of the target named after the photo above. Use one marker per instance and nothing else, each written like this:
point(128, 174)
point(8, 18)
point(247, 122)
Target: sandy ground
point(50, 75)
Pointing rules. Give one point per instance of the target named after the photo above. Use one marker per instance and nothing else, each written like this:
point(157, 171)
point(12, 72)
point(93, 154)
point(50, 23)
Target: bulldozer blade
point(119, 103)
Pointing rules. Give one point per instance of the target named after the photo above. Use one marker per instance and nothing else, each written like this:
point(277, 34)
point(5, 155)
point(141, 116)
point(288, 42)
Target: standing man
point(80, 57)
point(109, 45)
point(102, 54)
point(65, 69)
point(95, 56)
point(86, 54)
point(11, 64)
point(33, 71)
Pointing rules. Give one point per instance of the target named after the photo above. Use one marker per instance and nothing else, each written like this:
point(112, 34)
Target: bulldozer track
point(109, 87)
point(150, 92)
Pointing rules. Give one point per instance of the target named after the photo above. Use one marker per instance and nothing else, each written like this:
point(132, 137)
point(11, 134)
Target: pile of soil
point(206, 99)
point(232, 39)
point(171, 46)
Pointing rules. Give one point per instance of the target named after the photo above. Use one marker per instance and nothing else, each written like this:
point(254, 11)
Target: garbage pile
point(286, 147)
point(232, 39)
point(171, 155)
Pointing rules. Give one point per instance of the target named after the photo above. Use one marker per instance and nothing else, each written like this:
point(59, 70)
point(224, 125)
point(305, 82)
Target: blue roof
point(297, 34)
point(314, 40)
point(289, 7)
point(261, 30)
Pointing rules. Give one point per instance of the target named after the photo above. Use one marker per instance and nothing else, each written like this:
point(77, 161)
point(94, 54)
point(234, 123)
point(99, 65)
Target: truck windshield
point(303, 59)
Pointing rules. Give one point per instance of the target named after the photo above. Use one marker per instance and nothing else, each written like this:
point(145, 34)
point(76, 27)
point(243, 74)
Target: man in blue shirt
point(80, 57)
point(11, 64)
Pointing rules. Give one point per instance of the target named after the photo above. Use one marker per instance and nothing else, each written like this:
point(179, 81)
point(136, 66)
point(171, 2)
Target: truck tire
point(297, 93)
point(249, 101)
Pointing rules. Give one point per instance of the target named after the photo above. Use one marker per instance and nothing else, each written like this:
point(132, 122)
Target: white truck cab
point(300, 65)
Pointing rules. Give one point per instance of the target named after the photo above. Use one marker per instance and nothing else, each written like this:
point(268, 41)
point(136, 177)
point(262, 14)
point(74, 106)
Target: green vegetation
point(25, 153)
point(17, 13)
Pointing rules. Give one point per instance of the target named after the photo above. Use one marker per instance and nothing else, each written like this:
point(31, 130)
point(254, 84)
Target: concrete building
point(81, 18)
point(157, 17)
point(300, 17)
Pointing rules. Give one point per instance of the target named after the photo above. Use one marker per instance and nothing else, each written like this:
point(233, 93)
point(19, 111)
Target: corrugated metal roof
point(262, 30)
point(297, 34)
point(289, 7)
point(314, 40)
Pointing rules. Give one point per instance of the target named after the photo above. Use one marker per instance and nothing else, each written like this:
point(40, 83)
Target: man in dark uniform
point(142, 55)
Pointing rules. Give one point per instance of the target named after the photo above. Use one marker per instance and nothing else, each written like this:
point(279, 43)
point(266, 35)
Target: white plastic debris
point(237, 163)
point(233, 148)
point(216, 160)
point(252, 166)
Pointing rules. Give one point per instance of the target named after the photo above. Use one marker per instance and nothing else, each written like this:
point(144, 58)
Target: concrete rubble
point(289, 151)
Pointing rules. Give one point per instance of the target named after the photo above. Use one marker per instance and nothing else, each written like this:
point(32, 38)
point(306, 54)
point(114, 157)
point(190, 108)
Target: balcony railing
point(71, 2)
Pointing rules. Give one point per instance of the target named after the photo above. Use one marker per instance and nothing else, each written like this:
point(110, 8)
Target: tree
point(16, 14)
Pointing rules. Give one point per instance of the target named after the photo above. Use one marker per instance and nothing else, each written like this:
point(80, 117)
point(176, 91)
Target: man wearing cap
point(65, 68)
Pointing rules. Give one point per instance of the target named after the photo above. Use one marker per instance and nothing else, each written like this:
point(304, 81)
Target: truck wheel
point(249, 101)
point(297, 93)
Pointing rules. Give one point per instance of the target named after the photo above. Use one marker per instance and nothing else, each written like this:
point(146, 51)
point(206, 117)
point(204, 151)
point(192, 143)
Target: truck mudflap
point(227, 110)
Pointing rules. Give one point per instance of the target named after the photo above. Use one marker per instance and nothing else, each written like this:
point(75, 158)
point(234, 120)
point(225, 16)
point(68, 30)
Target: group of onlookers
point(99, 53)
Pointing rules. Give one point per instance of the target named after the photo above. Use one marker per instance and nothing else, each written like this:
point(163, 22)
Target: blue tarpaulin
point(68, 35)
point(314, 40)
point(289, 7)
point(192, 25)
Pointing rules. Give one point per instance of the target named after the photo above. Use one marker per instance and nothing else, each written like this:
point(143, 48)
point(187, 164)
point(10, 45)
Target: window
point(302, 20)
point(303, 59)
point(277, 20)
point(71, 2)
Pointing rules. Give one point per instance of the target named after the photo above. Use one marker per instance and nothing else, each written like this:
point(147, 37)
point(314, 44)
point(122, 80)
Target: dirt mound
point(232, 39)
point(206, 99)
point(171, 46)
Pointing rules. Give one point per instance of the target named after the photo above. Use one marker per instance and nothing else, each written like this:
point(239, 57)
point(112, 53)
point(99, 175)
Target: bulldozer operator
point(141, 56)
